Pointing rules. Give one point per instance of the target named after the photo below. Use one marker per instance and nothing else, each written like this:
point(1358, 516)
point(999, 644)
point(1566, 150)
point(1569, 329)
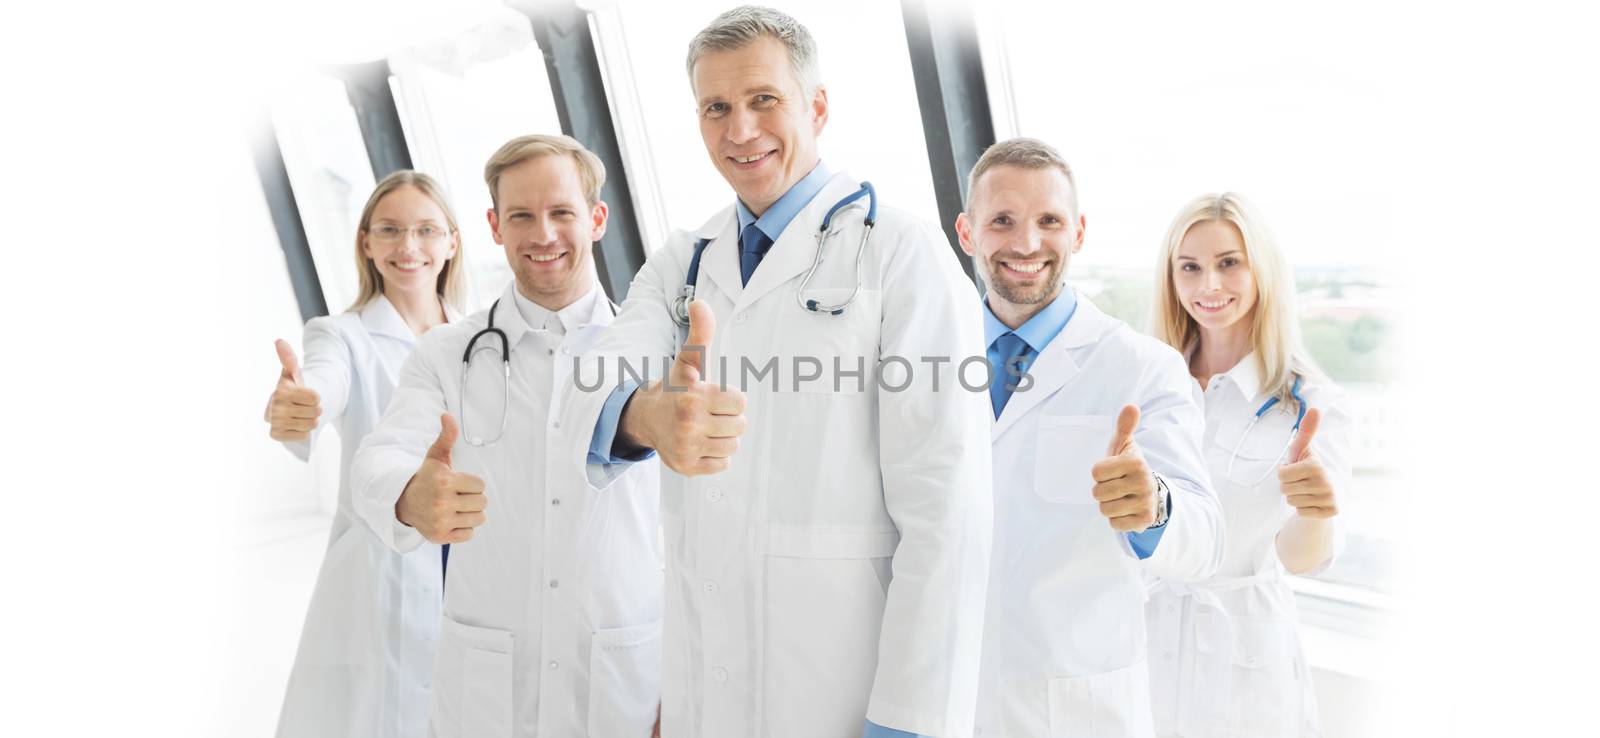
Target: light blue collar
point(1040, 329)
point(783, 211)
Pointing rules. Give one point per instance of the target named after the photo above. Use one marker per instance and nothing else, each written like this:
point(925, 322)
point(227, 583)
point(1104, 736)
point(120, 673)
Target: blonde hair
point(452, 284)
point(1275, 327)
point(1023, 153)
point(591, 171)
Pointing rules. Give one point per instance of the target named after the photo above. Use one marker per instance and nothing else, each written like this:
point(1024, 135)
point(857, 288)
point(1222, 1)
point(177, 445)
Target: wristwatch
point(1162, 493)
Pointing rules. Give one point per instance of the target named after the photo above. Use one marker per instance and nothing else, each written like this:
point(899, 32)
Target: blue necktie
point(753, 245)
point(1008, 348)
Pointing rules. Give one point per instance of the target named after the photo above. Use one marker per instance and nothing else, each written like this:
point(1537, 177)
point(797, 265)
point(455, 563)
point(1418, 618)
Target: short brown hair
point(1024, 153)
point(522, 148)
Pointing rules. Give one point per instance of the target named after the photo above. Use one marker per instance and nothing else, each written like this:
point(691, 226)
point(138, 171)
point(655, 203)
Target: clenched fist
point(442, 504)
point(1303, 481)
point(293, 408)
point(1123, 483)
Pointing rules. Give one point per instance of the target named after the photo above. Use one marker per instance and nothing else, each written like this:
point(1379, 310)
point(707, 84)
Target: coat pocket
point(473, 697)
point(1065, 449)
point(1268, 689)
point(823, 612)
point(624, 681)
point(1115, 704)
point(1205, 700)
point(1252, 449)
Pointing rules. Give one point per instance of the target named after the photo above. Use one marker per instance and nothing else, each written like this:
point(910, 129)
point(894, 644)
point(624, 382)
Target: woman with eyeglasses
point(1225, 654)
point(366, 652)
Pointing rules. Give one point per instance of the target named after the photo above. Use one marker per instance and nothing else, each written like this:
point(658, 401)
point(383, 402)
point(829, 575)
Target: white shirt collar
point(1246, 376)
point(538, 317)
point(380, 317)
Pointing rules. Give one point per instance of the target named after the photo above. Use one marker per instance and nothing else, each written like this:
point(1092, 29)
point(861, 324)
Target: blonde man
point(552, 616)
point(1099, 478)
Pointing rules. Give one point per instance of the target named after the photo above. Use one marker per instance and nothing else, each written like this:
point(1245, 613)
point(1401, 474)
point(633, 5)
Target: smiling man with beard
point(1098, 474)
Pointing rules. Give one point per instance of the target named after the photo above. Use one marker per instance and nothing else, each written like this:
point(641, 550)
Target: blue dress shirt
point(772, 223)
point(1037, 333)
point(875, 730)
point(776, 218)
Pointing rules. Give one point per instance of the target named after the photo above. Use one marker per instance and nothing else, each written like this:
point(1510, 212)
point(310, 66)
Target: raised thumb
point(702, 327)
point(291, 364)
point(1301, 447)
point(1127, 423)
point(440, 450)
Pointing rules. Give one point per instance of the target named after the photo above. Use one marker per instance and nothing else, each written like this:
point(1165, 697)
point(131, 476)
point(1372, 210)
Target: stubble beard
point(1017, 295)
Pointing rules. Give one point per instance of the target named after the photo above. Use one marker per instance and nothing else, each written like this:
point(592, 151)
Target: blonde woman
point(1225, 654)
point(366, 651)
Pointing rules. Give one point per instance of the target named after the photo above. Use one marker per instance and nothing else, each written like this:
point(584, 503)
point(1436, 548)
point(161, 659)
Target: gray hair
point(1024, 153)
point(741, 26)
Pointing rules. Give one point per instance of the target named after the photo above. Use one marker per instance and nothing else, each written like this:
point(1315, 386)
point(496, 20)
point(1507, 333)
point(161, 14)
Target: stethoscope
point(680, 306)
point(1294, 392)
point(505, 368)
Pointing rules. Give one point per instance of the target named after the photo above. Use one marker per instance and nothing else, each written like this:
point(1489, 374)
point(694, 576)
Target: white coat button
point(710, 587)
point(720, 674)
point(714, 494)
point(555, 665)
point(555, 424)
point(740, 317)
point(549, 352)
point(555, 502)
point(554, 583)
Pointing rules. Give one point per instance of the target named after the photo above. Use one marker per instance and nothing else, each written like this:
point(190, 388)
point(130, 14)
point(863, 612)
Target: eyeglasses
point(426, 233)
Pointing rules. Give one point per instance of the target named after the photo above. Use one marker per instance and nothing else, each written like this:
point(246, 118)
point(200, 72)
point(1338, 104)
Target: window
point(459, 100)
point(330, 174)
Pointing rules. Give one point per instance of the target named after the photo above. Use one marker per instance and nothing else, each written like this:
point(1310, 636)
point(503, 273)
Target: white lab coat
point(1226, 658)
point(366, 650)
point(552, 613)
point(836, 570)
point(1064, 645)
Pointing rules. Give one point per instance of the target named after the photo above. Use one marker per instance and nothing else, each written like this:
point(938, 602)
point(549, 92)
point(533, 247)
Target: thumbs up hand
point(442, 504)
point(293, 409)
point(689, 364)
point(1302, 479)
point(1124, 485)
point(692, 424)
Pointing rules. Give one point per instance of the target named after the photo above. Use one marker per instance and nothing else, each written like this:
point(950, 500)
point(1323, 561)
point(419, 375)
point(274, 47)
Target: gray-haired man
point(827, 516)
